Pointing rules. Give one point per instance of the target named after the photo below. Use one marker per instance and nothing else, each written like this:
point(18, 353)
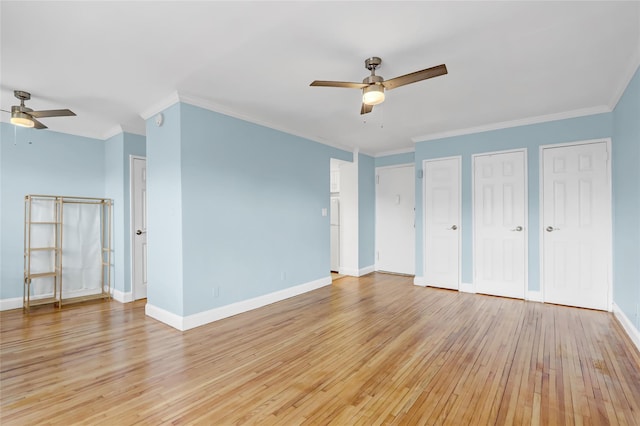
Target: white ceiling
point(508, 62)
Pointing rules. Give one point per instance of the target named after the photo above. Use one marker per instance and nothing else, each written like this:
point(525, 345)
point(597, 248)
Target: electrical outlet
point(216, 291)
point(283, 275)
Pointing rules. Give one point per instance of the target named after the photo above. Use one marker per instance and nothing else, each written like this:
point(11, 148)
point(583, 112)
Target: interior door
point(442, 222)
point(139, 226)
point(335, 233)
point(576, 210)
point(395, 219)
point(499, 206)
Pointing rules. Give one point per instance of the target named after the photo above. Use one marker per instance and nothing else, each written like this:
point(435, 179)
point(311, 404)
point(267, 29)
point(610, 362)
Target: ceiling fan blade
point(366, 109)
point(346, 84)
point(415, 76)
point(52, 113)
point(38, 125)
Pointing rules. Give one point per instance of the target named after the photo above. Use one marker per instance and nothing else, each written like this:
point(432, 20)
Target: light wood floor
point(373, 350)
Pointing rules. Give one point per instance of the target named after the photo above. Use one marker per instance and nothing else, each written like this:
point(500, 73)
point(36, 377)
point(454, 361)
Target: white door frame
point(526, 217)
point(377, 169)
point(132, 230)
point(608, 225)
point(459, 218)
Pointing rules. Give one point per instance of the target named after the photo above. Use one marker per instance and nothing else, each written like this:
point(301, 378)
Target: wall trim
point(201, 318)
point(420, 281)
point(366, 270)
point(395, 152)
point(169, 318)
point(627, 325)
point(11, 303)
point(121, 296)
point(348, 271)
point(357, 272)
point(533, 296)
point(624, 82)
point(467, 288)
point(514, 123)
point(160, 106)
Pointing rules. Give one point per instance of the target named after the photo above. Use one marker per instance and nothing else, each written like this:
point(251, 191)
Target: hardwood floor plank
point(372, 350)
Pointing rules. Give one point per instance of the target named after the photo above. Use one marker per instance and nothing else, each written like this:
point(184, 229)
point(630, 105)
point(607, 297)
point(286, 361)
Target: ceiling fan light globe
point(21, 119)
point(373, 95)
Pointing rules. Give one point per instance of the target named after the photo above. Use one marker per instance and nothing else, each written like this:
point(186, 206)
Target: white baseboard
point(215, 314)
point(366, 270)
point(417, 280)
point(16, 302)
point(467, 288)
point(628, 326)
point(121, 296)
point(352, 272)
point(348, 271)
point(534, 296)
point(169, 318)
point(422, 282)
point(12, 303)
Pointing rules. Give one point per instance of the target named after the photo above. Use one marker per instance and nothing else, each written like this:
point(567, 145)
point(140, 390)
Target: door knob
point(453, 228)
point(551, 229)
point(518, 228)
point(140, 232)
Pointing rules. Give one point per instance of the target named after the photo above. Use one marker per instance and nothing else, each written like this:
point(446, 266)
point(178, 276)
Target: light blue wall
point(114, 189)
point(395, 159)
point(530, 137)
point(117, 187)
point(40, 162)
point(132, 145)
point(164, 213)
point(250, 203)
point(366, 211)
point(626, 201)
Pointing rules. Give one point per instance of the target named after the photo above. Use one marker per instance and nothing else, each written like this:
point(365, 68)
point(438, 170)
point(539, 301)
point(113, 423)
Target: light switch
point(324, 212)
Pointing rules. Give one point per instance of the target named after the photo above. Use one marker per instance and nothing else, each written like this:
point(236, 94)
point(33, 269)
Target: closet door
point(576, 222)
point(499, 212)
point(442, 222)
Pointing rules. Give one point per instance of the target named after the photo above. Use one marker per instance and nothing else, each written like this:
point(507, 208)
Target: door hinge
point(377, 255)
point(377, 179)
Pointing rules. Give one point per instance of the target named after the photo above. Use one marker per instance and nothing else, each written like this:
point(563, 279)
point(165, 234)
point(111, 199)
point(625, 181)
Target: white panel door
point(576, 225)
point(395, 220)
point(499, 213)
point(139, 226)
point(442, 223)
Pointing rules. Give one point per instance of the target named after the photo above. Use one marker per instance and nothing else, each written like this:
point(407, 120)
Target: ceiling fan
point(26, 117)
point(373, 86)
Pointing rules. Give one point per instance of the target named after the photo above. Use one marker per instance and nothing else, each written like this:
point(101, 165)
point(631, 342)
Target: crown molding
point(395, 152)
point(159, 106)
point(225, 110)
point(624, 82)
point(514, 123)
point(115, 130)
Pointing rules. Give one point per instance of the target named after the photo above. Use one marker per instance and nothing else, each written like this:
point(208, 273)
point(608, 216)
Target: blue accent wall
point(626, 201)
point(243, 206)
point(529, 137)
point(164, 213)
point(40, 162)
point(366, 211)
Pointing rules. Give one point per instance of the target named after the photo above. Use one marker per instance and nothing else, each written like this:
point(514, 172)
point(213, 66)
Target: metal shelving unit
point(51, 208)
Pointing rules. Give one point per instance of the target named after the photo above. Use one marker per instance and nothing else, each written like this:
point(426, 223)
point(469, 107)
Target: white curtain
point(81, 248)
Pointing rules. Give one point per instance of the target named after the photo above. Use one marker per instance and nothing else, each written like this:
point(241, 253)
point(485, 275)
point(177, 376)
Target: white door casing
point(139, 226)
point(576, 225)
point(500, 223)
point(395, 219)
point(442, 229)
